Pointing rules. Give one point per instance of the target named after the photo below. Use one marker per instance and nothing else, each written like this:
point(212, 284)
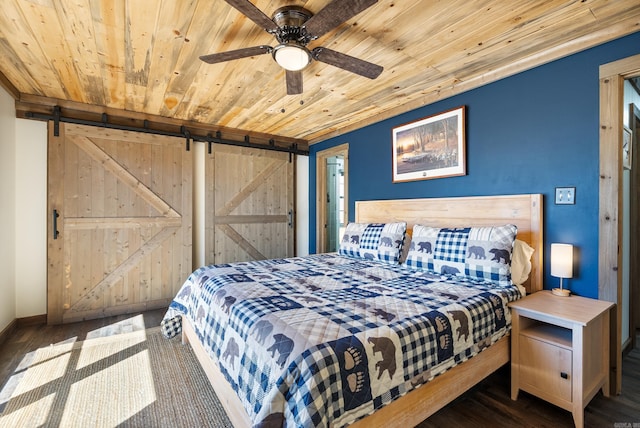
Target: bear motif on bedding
point(368, 333)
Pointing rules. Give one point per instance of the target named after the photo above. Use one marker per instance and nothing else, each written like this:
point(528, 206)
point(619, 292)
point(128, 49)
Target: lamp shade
point(292, 56)
point(562, 260)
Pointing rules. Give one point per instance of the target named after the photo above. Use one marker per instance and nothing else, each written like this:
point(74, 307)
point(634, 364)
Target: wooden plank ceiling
point(139, 58)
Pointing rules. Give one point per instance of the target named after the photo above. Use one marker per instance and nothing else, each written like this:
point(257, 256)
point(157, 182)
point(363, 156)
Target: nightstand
point(560, 349)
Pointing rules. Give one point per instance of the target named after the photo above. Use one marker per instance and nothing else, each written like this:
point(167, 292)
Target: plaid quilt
point(326, 339)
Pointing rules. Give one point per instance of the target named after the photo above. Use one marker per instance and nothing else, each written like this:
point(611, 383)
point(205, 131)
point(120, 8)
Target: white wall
point(199, 212)
point(31, 218)
point(7, 211)
point(302, 205)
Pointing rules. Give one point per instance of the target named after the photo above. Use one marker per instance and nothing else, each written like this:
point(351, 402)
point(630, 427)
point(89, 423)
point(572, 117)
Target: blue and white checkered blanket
point(327, 339)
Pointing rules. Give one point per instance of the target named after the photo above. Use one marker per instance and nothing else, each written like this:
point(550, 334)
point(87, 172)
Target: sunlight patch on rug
point(126, 386)
point(103, 381)
point(129, 379)
point(36, 413)
point(43, 367)
point(135, 323)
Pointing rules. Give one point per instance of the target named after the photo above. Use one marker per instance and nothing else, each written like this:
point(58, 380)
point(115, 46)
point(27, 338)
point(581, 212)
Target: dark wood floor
point(488, 404)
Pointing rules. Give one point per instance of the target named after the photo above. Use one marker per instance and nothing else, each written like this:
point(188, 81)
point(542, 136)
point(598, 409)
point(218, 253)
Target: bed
point(338, 335)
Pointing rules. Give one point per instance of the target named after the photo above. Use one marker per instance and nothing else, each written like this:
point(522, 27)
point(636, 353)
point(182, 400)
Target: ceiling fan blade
point(253, 13)
point(236, 54)
point(334, 14)
point(347, 62)
point(294, 82)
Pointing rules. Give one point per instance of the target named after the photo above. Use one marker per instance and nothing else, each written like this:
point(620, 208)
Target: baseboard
point(34, 320)
point(8, 331)
point(626, 347)
point(21, 322)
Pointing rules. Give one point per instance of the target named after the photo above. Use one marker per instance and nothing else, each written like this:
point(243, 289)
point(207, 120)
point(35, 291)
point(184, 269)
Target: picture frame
point(432, 147)
point(627, 147)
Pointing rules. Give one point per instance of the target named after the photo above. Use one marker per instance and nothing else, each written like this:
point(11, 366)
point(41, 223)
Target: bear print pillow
point(477, 252)
point(373, 241)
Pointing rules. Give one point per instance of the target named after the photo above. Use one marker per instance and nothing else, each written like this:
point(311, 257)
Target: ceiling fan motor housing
point(291, 19)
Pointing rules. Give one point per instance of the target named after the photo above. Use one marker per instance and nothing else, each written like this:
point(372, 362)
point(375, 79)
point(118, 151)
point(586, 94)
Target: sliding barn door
point(119, 221)
point(249, 204)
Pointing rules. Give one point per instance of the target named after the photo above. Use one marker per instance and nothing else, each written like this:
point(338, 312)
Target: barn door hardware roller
point(187, 136)
point(56, 121)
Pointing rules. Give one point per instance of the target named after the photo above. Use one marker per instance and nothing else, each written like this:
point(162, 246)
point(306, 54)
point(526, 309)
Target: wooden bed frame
point(525, 211)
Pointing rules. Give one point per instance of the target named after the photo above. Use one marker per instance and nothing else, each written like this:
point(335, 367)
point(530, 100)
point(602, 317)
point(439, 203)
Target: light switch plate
point(565, 195)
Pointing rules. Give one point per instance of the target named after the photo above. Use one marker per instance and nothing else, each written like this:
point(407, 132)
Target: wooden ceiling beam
point(27, 104)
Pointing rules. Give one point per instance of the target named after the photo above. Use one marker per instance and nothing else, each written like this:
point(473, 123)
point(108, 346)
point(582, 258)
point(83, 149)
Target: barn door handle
point(55, 224)
point(291, 218)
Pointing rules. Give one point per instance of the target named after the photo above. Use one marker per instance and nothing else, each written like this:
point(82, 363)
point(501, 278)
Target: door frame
point(321, 190)
point(612, 77)
point(634, 230)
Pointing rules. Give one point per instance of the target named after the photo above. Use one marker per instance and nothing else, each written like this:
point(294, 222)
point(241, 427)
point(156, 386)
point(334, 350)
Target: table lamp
point(561, 265)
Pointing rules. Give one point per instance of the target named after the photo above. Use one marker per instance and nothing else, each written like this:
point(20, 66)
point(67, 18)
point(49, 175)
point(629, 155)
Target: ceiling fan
point(294, 27)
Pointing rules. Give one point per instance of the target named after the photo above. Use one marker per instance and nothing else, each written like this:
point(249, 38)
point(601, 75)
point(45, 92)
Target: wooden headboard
point(525, 211)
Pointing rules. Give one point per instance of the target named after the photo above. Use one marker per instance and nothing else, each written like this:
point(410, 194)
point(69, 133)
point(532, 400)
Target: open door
point(332, 170)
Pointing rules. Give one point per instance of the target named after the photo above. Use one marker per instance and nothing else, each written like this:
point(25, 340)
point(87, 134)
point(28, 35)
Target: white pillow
point(520, 262)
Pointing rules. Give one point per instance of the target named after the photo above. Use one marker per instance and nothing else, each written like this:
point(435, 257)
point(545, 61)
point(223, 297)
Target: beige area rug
point(137, 379)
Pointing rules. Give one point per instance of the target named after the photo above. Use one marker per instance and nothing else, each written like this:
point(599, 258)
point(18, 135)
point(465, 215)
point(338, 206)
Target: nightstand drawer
point(545, 369)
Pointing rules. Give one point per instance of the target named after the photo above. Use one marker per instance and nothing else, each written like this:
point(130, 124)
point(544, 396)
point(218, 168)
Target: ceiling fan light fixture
point(291, 56)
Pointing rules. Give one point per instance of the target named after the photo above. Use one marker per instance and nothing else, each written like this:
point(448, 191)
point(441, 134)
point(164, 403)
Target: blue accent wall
point(528, 133)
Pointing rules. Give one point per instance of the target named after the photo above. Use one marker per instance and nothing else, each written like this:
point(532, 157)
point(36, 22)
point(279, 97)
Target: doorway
point(332, 172)
point(633, 197)
point(610, 241)
point(335, 202)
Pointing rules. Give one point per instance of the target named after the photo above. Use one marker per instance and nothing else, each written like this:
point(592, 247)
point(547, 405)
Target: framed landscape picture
point(433, 147)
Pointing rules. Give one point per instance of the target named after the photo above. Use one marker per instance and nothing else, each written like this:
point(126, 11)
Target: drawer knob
point(564, 375)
